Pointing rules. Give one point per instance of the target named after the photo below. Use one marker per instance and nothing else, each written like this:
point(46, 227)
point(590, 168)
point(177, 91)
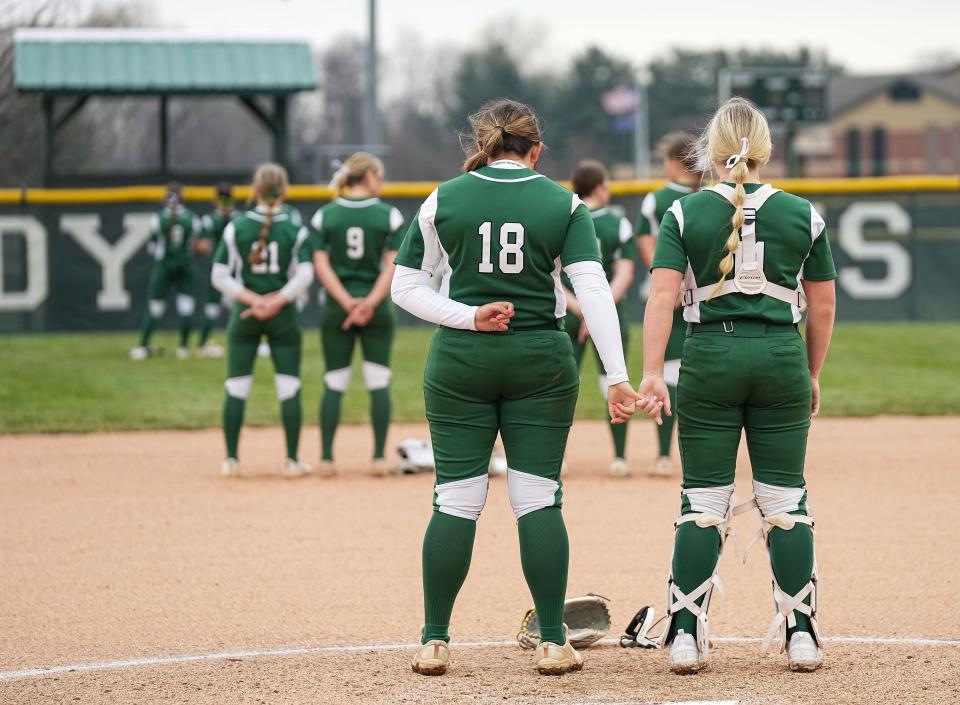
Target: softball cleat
point(553, 660)
point(432, 658)
point(684, 655)
point(661, 467)
point(296, 468)
point(230, 468)
point(139, 353)
point(619, 468)
point(182, 353)
point(210, 350)
point(803, 654)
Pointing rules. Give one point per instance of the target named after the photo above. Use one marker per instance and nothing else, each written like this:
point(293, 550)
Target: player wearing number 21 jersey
point(499, 236)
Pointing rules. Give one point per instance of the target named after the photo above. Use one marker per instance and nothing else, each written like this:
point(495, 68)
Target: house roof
point(846, 92)
point(151, 62)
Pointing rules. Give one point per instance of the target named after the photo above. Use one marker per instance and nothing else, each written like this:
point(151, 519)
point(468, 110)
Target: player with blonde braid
point(744, 368)
point(263, 264)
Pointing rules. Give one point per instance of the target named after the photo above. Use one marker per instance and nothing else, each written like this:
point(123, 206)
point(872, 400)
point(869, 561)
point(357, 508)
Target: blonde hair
point(355, 170)
point(737, 132)
point(502, 126)
point(270, 183)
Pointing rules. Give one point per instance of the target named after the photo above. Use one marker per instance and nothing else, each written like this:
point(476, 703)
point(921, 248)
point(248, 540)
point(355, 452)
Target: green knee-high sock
point(184, 330)
point(146, 329)
point(791, 555)
point(695, 554)
point(619, 433)
point(665, 432)
point(545, 555)
point(380, 408)
point(205, 329)
point(329, 419)
point(447, 549)
point(291, 413)
point(232, 421)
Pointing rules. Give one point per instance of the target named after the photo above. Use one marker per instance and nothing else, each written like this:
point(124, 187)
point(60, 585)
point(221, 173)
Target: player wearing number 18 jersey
point(355, 241)
point(499, 236)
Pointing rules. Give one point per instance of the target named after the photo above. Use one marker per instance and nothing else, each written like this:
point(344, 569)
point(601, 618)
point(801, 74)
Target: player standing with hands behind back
point(500, 362)
point(745, 366)
point(355, 242)
point(680, 164)
point(263, 264)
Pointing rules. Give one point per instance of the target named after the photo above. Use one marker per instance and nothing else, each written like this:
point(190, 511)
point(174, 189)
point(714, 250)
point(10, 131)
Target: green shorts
point(376, 338)
point(170, 274)
point(244, 335)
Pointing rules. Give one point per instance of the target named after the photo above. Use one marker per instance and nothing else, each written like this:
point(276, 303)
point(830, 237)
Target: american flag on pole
point(620, 100)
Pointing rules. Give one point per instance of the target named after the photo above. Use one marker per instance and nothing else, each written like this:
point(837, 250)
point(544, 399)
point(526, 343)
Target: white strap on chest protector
point(748, 277)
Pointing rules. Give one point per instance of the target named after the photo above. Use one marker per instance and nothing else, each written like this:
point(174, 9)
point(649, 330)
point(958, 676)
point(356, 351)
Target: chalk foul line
point(347, 648)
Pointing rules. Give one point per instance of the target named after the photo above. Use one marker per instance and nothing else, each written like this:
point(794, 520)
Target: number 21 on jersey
point(271, 260)
point(511, 248)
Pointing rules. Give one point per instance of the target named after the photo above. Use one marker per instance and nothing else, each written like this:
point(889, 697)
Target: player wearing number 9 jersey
point(499, 236)
point(355, 239)
point(172, 233)
point(263, 264)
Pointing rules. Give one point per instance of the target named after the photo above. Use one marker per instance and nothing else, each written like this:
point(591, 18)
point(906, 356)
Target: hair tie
point(341, 171)
point(735, 159)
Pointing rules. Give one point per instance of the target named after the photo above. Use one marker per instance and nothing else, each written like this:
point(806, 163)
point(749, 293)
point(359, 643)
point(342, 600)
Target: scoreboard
point(788, 96)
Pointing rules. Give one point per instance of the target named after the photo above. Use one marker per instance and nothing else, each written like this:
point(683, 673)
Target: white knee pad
point(376, 376)
point(157, 308)
point(338, 380)
point(185, 305)
point(709, 506)
point(604, 385)
point(463, 498)
point(211, 311)
point(287, 386)
point(239, 387)
point(528, 493)
point(671, 372)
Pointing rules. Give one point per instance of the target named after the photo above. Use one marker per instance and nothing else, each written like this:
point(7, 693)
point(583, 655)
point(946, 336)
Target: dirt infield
point(118, 547)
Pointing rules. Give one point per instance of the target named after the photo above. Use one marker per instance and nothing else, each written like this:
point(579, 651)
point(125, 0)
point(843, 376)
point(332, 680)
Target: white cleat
point(432, 658)
point(619, 468)
point(296, 468)
point(210, 350)
point(661, 467)
point(555, 660)
point(263, 350)
point(182, 353)
point(803, 654)
point(139, 353)
point(684, 655)
point(230, 468)
point(327, 468)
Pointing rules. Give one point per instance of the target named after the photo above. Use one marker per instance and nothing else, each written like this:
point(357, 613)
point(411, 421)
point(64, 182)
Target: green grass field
point(84, 382)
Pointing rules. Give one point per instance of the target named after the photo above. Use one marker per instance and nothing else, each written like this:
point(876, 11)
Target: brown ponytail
point(587, 177)
point(269, 185)
point(501, 126)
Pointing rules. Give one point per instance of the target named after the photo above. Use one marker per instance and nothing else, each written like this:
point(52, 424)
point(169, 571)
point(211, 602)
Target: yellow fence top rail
point(422, 189)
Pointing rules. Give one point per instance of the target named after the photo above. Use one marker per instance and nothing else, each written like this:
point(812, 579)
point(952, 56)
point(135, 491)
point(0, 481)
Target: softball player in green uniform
point(214, 224)
point(498, 237)
point(745, 366)
point(683, 179)
point(172, 233)
point(356, 238)
point(263, 265)
point(617, 253)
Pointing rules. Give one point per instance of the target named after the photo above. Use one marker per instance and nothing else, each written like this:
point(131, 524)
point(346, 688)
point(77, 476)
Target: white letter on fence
point(895, 257)
point(84, 228)
point(35, 237)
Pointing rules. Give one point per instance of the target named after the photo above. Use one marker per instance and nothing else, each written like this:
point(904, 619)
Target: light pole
point(371, 122)
point(641, 126)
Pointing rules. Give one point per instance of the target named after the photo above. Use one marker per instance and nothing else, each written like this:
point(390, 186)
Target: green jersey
point(615, 238)
point(286, 246)
point(171, 231)
point(356, 233)
point(655, 205)
point(214, 224)
point(791, 244)
point(502, 233)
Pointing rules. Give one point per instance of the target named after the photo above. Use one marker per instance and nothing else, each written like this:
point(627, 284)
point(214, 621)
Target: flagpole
point(641, 127)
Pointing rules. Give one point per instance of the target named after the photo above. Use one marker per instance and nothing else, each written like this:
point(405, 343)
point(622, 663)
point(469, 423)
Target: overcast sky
point(876, 36)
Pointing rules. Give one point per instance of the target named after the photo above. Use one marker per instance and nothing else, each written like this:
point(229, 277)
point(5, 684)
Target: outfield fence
point(75, 259)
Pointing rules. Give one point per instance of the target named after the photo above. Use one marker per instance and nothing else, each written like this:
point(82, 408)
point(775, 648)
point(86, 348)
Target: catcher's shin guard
point(775, 504)
point(709, 507)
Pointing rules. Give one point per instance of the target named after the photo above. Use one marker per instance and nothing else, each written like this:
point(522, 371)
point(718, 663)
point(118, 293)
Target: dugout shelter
point(67, 67)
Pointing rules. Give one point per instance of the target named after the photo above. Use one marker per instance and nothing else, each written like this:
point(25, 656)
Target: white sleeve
point(648, 209)
point(300, 281)
point(224, 283)
point(412, 292)
point(596, 302)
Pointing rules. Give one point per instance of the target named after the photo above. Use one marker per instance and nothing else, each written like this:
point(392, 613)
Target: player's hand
point(621, 402)
point(654, 397)
point(494, 317)
point(583, 333)
point(815, 389)
point(360, 315)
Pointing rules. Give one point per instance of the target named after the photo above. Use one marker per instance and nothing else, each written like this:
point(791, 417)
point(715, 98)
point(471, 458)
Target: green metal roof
point(147, 62)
